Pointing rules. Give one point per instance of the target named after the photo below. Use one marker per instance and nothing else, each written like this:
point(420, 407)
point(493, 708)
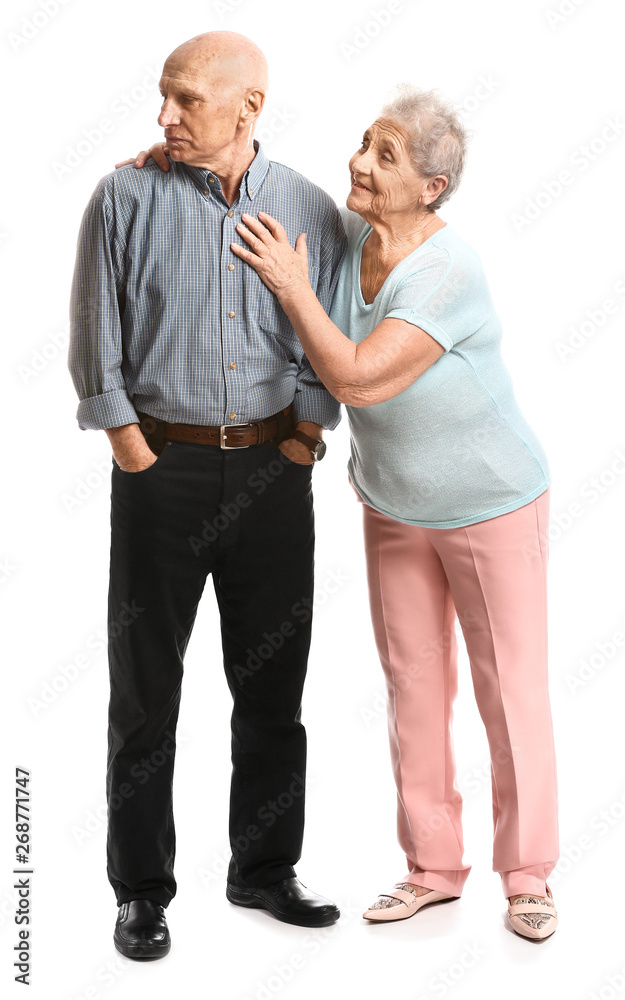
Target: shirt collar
point(257, 171)
point(252, 179)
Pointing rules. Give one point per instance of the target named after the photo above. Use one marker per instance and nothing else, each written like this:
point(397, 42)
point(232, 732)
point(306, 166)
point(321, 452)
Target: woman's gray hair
point(437, 138)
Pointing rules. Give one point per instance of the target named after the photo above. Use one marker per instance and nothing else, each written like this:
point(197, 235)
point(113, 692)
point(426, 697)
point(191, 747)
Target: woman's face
point(384, 179)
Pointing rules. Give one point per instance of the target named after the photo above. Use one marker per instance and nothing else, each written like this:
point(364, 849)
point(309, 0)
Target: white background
point(536, 90)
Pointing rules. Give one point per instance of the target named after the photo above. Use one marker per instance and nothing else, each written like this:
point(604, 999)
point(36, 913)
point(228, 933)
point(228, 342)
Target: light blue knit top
point(453, 448)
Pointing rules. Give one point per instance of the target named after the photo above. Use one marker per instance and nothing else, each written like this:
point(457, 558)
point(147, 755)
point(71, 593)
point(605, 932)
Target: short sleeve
point(439, 296)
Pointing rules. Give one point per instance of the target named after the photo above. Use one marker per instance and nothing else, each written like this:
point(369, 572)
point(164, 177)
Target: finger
point(124, 163)
point(141, 157)
point(301, 247)
point(257, 227)
point(249, 237)
point(277, 231)
point(245, 254)
point(158, 154)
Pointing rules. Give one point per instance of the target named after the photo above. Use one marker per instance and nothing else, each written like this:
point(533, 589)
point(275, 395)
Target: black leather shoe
point(288, 900)
point(141, 930)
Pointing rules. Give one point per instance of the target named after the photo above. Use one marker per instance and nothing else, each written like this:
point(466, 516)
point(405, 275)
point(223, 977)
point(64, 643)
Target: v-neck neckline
point(358, 264)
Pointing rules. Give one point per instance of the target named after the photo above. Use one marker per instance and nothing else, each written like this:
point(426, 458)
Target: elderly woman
point(454, 491)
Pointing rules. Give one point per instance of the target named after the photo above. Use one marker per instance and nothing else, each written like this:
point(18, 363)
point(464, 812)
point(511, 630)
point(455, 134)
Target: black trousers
point(246, 517)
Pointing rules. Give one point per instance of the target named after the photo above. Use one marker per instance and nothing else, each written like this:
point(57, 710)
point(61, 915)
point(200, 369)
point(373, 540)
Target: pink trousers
point(492, 575)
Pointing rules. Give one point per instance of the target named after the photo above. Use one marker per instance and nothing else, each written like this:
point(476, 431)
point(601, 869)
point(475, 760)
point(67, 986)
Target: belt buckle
point(222, 437)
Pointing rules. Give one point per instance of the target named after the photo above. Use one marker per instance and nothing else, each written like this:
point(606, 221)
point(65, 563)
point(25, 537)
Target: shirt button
point(205, 191)
point(230, 214)
point(231, 315)
point(251, 192)
point(211, 180)
point(233, 364)
point(231, 267)
point(232, 416)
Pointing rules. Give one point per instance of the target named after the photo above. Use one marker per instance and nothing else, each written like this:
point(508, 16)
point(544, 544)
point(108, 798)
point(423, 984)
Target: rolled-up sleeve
point(312, 400)
point(95, 348)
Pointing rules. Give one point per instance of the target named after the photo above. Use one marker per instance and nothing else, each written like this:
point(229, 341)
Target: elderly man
point(215, 419)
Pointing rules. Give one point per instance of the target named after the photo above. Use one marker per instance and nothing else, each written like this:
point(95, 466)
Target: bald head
point(231, 62)
point(213, 89)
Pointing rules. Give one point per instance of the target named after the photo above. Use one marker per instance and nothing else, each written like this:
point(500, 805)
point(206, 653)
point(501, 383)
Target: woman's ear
point(434, 187)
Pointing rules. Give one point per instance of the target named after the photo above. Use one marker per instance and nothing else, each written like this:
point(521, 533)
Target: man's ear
point(251, 107)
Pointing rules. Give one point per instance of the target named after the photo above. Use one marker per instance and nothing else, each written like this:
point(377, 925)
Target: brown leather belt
point(269, 431)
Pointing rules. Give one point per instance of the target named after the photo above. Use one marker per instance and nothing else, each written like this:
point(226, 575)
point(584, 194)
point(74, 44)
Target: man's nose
point(169, 115)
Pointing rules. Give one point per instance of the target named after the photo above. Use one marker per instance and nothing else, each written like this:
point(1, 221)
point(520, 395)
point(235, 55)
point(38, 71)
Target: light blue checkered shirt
point(165, 319)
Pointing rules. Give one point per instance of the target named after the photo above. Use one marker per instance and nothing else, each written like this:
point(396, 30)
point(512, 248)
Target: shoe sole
point(138, 951)
point(534, 940)
point(424, 906)
point(253, 902)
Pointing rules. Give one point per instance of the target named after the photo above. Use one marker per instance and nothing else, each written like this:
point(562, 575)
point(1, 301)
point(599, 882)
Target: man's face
point(199, 111)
